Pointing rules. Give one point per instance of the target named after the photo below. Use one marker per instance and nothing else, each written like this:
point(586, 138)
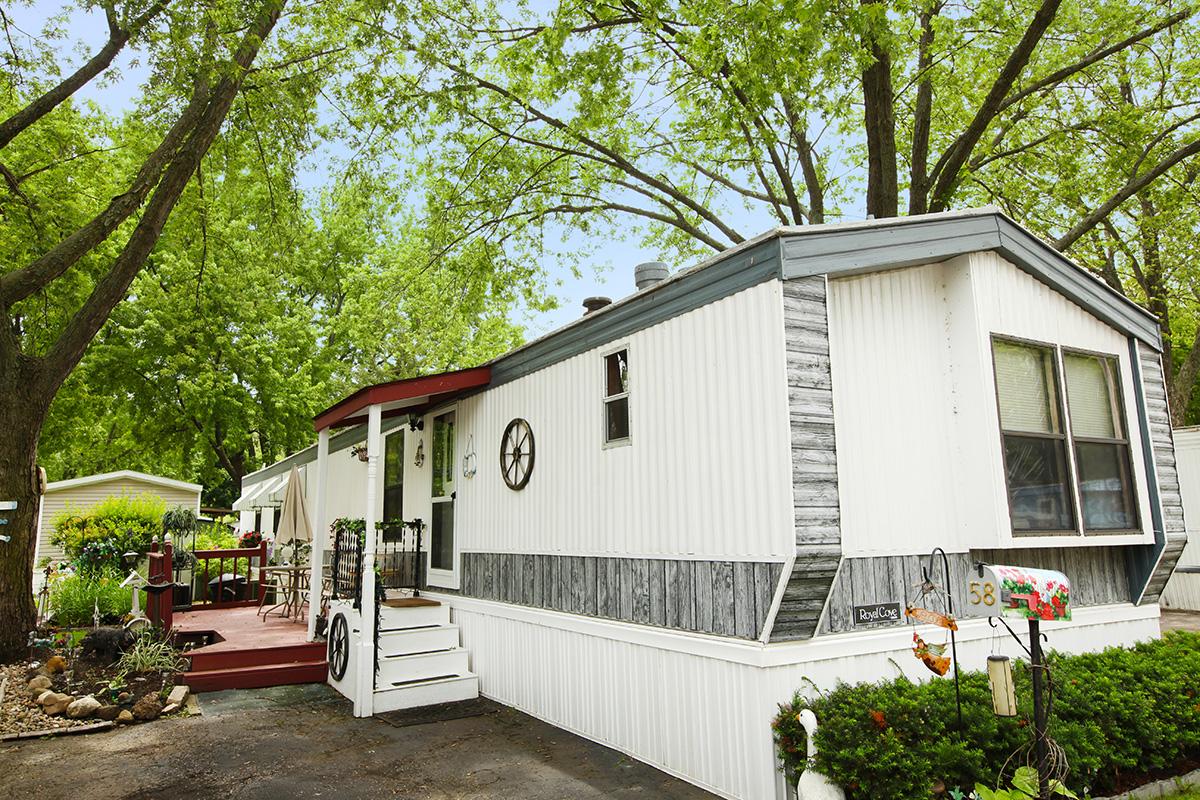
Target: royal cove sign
point(876, 614)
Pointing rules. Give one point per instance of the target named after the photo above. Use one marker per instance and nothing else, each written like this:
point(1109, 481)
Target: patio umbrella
point(294, 525)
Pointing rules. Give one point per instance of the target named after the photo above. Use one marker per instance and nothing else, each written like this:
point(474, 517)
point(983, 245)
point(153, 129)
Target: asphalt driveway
point(302, 742)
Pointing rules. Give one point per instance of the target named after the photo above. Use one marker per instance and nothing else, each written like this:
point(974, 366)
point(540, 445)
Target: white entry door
point(442, 563)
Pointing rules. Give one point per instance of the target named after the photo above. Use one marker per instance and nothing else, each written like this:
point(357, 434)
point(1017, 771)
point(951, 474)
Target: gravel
point(19, 713)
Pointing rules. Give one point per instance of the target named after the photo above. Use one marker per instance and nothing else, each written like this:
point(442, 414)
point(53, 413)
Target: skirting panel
point(703, 713)
point(727, 598)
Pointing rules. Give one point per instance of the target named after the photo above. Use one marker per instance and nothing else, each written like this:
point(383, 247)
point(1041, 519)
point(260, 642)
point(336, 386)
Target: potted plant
point(180, 522)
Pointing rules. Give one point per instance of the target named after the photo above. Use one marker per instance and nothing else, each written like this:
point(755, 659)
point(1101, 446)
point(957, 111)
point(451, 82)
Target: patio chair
point(274, 587)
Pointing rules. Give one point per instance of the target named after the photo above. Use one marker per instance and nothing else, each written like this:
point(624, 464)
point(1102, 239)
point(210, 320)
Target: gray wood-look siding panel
point(1151, 565)
point(817, 514)
point(1097, 575)
point(728, 598)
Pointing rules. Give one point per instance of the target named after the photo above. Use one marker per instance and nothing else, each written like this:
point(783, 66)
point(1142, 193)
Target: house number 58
point(982, 593)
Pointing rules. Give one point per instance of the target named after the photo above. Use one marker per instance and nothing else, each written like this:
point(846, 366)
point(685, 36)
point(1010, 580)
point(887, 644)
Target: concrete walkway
point(1175, 620)
point(302, 742)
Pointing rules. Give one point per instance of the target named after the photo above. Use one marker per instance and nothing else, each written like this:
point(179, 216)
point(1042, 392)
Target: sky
point(612, 264)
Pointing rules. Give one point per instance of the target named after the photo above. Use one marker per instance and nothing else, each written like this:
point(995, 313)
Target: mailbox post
point(1035, 595)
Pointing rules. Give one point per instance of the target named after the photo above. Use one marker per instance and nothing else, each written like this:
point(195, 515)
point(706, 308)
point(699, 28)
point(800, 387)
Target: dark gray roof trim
point(742, 269)
point(909, 241)
point(838, 249)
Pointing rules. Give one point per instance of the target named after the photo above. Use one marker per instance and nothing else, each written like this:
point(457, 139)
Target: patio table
point(293, 580)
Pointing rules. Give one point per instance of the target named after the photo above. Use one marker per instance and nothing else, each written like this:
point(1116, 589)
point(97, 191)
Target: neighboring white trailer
point(1183, 589)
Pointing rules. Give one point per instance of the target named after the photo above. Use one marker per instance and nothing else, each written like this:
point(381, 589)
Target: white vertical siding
point(707, 473)
point(1183, 589)
point(919, 457)
point(700, 708)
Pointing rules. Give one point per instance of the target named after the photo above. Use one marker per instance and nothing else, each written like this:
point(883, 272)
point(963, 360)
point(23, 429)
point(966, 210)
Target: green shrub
point(96, 538)
point(73, 599)
point(1116, 711)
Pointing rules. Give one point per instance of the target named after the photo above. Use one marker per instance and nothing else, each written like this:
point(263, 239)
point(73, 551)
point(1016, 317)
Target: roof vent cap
point(595, 304)
point(650, 273)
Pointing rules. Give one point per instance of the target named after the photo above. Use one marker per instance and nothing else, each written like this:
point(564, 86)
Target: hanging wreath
point(516, 454)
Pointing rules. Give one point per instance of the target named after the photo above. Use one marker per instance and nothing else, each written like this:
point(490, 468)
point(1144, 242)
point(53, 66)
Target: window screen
point(616, 397)
point(1101, 446)
point(1035, 448)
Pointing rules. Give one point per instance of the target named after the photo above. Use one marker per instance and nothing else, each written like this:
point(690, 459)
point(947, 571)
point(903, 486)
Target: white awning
point(255, 496)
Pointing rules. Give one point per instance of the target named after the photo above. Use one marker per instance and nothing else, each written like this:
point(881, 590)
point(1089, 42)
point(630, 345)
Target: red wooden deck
point(250, 652)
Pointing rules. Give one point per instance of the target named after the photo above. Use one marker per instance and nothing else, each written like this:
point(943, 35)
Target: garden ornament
point(812, 784)
point(932, 655)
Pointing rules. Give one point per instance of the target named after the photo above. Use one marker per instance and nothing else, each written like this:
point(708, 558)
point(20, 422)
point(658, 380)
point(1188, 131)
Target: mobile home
point(651, 526)
point(1183, 589)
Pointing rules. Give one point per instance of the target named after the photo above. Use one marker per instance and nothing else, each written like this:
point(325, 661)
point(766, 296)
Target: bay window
point(1065, 444)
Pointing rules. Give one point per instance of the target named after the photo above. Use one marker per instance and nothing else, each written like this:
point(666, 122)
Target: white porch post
point(365, 705)
point(320, 532)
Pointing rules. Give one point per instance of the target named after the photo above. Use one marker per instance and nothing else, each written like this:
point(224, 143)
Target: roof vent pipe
point(595, 304)
point(650, 273)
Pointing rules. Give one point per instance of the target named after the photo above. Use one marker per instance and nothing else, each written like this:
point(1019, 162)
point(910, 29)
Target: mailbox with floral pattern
point(995, 590)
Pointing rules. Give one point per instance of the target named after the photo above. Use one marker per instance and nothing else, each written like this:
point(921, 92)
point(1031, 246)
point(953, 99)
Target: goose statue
point(812, 784)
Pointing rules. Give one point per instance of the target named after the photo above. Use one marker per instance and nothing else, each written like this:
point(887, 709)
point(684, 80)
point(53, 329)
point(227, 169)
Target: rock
point(178, 696)
point(55, 703)
point(124, 698)
point(124, 718)
point(169, 707)
point(147, 708)
point(83, 708)
point(109, 713)
point(56, 664)
point(39, 684)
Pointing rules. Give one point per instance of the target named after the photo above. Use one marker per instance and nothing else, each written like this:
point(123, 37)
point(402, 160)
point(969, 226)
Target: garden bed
point(68, 674)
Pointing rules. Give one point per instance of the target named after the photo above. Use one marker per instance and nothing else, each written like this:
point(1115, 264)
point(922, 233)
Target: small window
point(393, 485)
point(616, 397)
point(1101, 442)
point(1035, 441)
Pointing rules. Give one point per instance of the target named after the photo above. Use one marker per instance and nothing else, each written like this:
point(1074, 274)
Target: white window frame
point(606, 399)
point(443, 578)
point(1132, 424)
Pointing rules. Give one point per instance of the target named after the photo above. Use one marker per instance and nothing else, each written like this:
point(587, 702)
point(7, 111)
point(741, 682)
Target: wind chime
point(933, 605)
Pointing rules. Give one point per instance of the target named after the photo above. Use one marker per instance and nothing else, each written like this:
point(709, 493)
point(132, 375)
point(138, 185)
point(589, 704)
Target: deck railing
point(398, 558)
point(228, 578)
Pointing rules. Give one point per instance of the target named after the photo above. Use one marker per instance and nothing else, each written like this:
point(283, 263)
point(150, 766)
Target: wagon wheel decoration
point(339, 647)
point(516, 454)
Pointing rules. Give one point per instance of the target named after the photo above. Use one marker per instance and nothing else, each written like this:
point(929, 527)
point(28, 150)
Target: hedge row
point(1117, 711)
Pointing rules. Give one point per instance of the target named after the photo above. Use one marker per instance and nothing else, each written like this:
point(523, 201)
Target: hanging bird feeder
point(1000, 679)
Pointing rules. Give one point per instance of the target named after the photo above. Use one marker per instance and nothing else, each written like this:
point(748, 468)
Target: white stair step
point(393, 619)
point(418, 640)
point(426, 693)
point(399, 669)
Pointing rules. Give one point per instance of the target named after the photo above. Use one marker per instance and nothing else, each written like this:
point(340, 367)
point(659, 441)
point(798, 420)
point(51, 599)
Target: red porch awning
point(408, 396)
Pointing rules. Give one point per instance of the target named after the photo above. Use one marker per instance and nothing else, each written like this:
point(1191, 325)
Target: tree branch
point(1058, 76)
point(47, 102)
point(1131, 187)
point(945, 173)
point(111, 289)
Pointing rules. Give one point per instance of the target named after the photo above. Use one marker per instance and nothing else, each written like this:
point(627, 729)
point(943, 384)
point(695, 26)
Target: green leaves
point(1116, 713)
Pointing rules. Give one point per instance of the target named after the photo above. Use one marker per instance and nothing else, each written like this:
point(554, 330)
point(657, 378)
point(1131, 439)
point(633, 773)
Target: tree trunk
point(22, 415)
point(879, 119)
